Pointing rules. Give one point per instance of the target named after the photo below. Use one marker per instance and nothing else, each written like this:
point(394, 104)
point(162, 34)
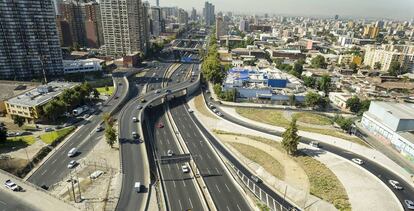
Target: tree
point(110, 135)
point(319, 62)
point(364, 106)
point(18, 120)
point(353, 66)
point(298, 69)
point(3, 132)
point(290, 139)
point(312, 99)
point(325, 83)
point(106, 117)
point(309, 81)
point(377, 66)
point(354, 104)
point(292, 100)
point(344, 123)
point(395, 68)
point(95, 93)
point(54, 109)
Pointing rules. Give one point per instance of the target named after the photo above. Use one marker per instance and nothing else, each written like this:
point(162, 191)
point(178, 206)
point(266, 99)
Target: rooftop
point(400, 110)
point(13, 88)
point(41, 95)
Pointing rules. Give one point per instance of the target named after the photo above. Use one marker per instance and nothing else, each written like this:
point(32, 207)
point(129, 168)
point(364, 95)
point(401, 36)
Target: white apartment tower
point(125, 27)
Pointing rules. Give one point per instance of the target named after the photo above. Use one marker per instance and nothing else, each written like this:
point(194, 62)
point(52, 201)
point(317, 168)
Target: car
point(99, 129)
point(143, 100)
point(190, 111)
point(357, 161)
point(134, 119)
point(120, 84)
point(48, 129)
point(395, 184)
point(185, 168)
point(214, 110)
point(314, 144)
point(135, 135)
point(72, 164)
point(59, 127)
point(96, 174)
point(168, 91)
point(72, 152)
point(409, 204)
point(207, 91)
point(256, 179)
point(158, 91)
point(219, 113)
point(12, 186)
point(170, 153)
point(137, 187)
point(116, 97)
point(139, 107)
point(160, 125)
point(87, 116)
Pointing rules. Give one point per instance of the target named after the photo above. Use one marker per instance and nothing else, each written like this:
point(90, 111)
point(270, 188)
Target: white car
point(134, 119)
point(185, 168)
point(190, 111)
point(409, 204)
point(139, 107)
point(219, 113)
point(99, 129)
point(96, 174)
point(357, 161)
point(135, 135)
point(72, 164)
point(12, 186)
point(170, 153)
point(158, 91)
point(395, 184)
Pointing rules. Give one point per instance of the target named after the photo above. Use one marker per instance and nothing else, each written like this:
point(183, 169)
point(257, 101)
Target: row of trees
point(358, 106)
point(322, 84)
point(68, 100)
point(110, 133)
point(229, 95)
point(313, 100)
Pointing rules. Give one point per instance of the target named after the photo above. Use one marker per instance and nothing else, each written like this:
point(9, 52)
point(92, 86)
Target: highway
point(376, 169)
point(133, 164)
point(54, 169)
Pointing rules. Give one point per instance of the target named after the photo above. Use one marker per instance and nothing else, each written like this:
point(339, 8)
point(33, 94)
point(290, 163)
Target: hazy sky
point(398, 9)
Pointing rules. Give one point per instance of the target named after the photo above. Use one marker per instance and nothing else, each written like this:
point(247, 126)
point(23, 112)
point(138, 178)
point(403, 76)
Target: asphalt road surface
point(9, 202)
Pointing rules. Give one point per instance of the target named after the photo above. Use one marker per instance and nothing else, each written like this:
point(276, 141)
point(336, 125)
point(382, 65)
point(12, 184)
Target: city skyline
point(352, 8)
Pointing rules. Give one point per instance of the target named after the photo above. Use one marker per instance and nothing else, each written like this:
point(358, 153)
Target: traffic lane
point(224, 193)
point(8, 202)
point(381, 172)
point(181, 190)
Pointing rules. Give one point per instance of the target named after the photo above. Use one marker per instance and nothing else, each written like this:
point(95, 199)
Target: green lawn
point(20, 140)
point(52, 136)
point(312, 118)
point(102, 90)
point(275, 117)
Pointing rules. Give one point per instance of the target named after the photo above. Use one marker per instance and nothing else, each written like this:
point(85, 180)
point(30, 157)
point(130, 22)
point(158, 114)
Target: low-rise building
point(392, 123)
point(82, 66)
point(339, 99)
point(30, 104)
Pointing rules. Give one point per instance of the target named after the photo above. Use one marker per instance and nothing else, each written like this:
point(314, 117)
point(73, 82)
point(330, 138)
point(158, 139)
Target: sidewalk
point(36, 198)
point(350, 175)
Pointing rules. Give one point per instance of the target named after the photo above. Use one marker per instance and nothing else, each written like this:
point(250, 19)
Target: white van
point(72, 152)
point(137, 187)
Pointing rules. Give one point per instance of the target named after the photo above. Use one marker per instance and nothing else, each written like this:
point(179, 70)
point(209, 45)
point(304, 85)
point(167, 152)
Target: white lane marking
point(53, 172)
point(191, 203)
point(184, 183)
point(208, 156)
point(169, 168)
point(238, 206)
point(181, 206)
point(174, 184)
point(218, 188)
point(2, 202)
point(228, 208)
point(227, 187)
point(201, 157)
point(188, 134)
point(195, 133)
point(218, 172)
point(183, 126)
point(54, 161)
point(44, 172)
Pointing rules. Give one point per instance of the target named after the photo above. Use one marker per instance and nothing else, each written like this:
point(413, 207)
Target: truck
point(80, 110)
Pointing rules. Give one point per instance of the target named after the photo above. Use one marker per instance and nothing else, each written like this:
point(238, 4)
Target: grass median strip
point(274, 117)
point(103, 91)
point(50, 137)
point(18, 141)
point(311, 118)
point(323, 182)
point(262, 158)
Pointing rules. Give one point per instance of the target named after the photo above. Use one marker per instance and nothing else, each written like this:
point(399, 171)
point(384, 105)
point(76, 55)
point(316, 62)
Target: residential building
point(30, 104)
point(385, 54)
point(93, 25)
point(193, 14)
point(29, 40)
point(371, 32)
point(125, 27)
point(209, 14)
point(339, 99)
point(220, 27)
point(392, 123)
point(349, 58)
point(244, 26)
point(71, 13)
point(182, 17)
point(155, 21)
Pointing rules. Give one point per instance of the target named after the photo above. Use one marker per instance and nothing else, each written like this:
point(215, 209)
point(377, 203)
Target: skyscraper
point(124, 27)
point(71, 13)
point(29, 40)
point(208, 13)
point(194, 14)
point(155, 21)
point(93, 24)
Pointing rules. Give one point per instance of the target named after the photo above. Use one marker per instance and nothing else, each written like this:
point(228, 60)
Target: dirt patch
point(201, 106)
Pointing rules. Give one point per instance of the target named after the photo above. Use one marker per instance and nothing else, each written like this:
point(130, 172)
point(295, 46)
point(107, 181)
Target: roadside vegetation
point(323, 182)
point(275, 117)
point(201, 107)
point(51, 137)
point(106, 90)
point(312, 118)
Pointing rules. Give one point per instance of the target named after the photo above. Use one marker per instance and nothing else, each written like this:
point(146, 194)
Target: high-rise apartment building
point(29, 40)
point(93, 24)
point(71, 15)
point(221, 27)
point(371, 31)
point(386, 54)
point(182, 16)
point(208, 13)
point(124, 27)
point(193, 14)
point(155, 21)
point(244, 25)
